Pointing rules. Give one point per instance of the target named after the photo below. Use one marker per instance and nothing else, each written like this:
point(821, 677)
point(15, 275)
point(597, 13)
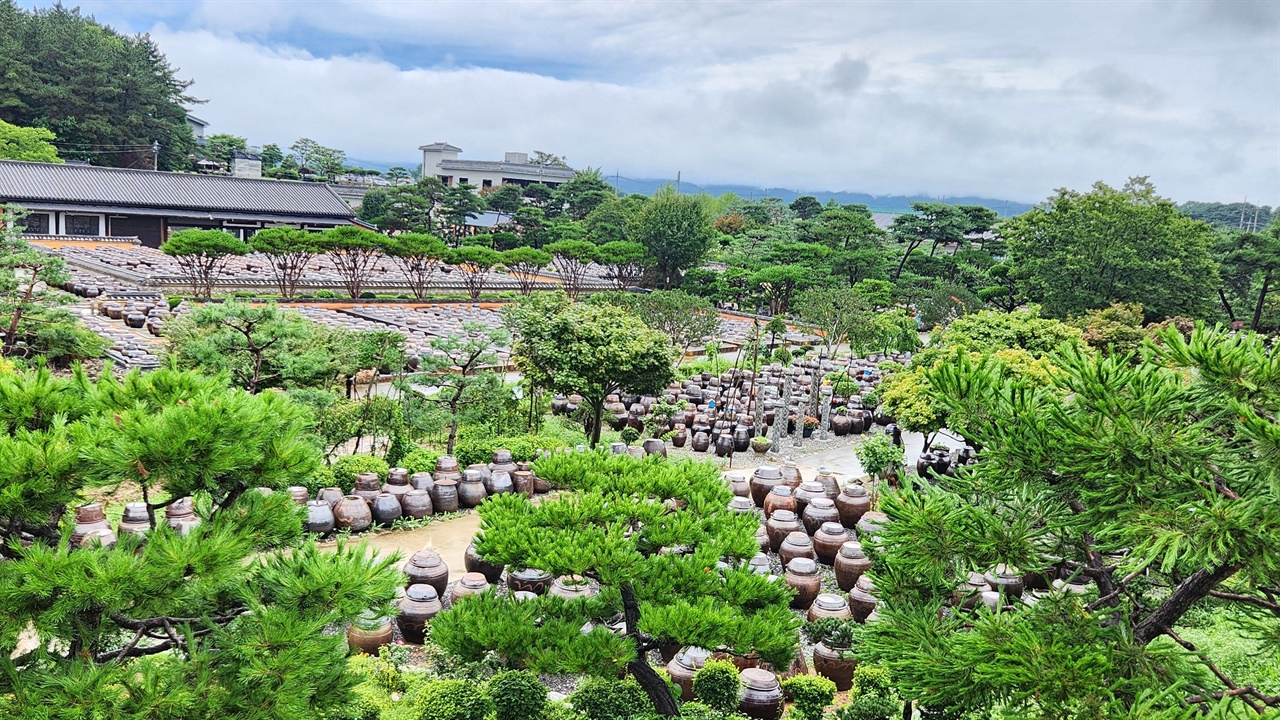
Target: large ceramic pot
point(529, 580)
point(724, 445)
point(700, 441)
point(502, 460)
point(871, 523)
point(765, 478)
point(421, 481)
point(762, 537)
point(320, 519)
point(1006, 580)
point(802, 576)
point(89, 519)
point(427, 567)
point(299, 494)
point(831, 664)
point(447, 467)
point(474, 562)
point(827, 480)
point(482, 469)
point(791, 474)
point(829, 605)
point(135, 520)
point(807, 492)
point(654, 446)
point(330, 495)
point(471, 490)
point(741, 506)
point(851, 562)
point(444, 495)
point(819, 510)
point(473, 583)
point(385, 508)
point(841, 425)
point(352, 513)
point(779, 498)
point(968, 594)
point(827, 541)
point(761, 695)
point(181, 517)
point(419, 604)
point(738, 484)
point(760, 444)
point(369, 633)
point(796, 545)
point(862, 600)
point(682, 668)
point(742, 438)
point(570, 587)
point(523, 482)
point(858, 422)
point(500, 482)
point(367, 486)
point(852, 503)
point(680, 437)
point(397, 482)
point(416, 504)
point(783, 523)
point(759, 564)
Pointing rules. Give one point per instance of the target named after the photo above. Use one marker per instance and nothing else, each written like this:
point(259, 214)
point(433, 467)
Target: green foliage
point(629, 435)
point(870, 707)
point(525, 263)
point(716, 683)
point(353, 251)
point(676, 230)
point(625, 261)
point(835, 633)
point(879, 456)
point(33, 144)
point(906, 396)
point(419, 460)
point(451, 700)
point(517, 695)
point(685, 319)
point(871, 680)
point(524, 448)
point(347, 467)
point(811, 695)
point(989, 331)
point(473, 263)
point(288, 251)
point(783, 356)
point(202, 256)
point(609, 699)
point(1114, 329)
point(702, 711)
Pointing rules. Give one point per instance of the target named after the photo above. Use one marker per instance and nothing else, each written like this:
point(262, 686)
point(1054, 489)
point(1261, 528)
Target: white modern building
point(441, 160)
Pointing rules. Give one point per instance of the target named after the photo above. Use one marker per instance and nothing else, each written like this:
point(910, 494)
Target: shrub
point(366, 295)
point(346, 467)
point(811, 693)
point(517, 695)
point(869, 707)
point(452, 700)
point(701, 711)
point(326, 294)
point(173, 302)
point(629, 435)
point(871, 680)
point(524, 448)
point(603, 699)
point(782, 356)
point(419, 460)
point(879, 456)
point(716, 684)
point(321, 478)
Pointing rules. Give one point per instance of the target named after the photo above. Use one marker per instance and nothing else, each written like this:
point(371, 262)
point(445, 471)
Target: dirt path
point(447, 537)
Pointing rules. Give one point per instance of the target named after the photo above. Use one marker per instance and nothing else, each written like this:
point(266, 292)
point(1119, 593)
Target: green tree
point(608, 221)
point(474, 262)
point(505, 199)
point(271, 155)
point(526, 263)
point(455, 371)
point(33, 144)
point(588, 349)
point(572, 259)
point(107, 96)
point(1153, 482)
point(938, 223)
point(353, 250)
point(418, 256)
point(1079, 251)
point(1250, 263)
point(806, 207)
point(662, 597)
point(203, 255)
point(222, 147)
point(676, 229)
point(576, 198)
point(288, 251)
point(777, 283)
point(397, 175)
point(404, 208)
point(686, 319)
point(625, 261)
point(459, 204)
point(834, 312)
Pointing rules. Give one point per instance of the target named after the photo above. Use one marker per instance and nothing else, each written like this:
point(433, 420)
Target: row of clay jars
point(420, 603)
point(850, 564)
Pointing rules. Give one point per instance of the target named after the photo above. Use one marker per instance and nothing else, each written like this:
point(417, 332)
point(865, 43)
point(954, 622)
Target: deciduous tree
point(34, 144)
point(418, 256)
point(288, 251)
point(203, 256)
point(676, 229)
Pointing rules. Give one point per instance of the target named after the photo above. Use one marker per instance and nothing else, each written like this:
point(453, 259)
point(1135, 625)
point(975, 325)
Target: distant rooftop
point(547, 171)
point(440, 147)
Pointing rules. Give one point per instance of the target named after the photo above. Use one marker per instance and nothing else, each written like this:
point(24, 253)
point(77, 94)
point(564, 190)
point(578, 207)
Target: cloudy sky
point(1002, 99)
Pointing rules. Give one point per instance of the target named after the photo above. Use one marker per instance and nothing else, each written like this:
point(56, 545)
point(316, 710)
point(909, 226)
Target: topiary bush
point(326, 294)
point(517, 695)
point(716, 684)
point(629, 435)
point(419, 460)
point(452, 700)
point(603, 699)
point(871, 680)
point(701, 711)
point(811, 694)
point(870, 707)
point(524, 448)
point(347, 467)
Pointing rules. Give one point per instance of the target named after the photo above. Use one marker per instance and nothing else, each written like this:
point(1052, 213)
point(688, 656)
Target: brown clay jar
point(761, 695)
point(135, 520)
point(180, 516)
point(416, 504)
point(968, 594)
point(474, 562)
point(779, 498)
point(352, 513)
point(570, 587)
point(330, 495)
point(419, 604)
point(447, 467)
point(796, 545)
point(299, 494)
point(427, 567)
point(529, 580)
point(832, 665)
point(802, 576)
point(738, 484)
point(320, 518)
point(501, 460)
point(421, 481)
point(830, 486)
point(862, 600)
point(1006, 580)
point(827, 541)
point(783, 523)
point(682, 668)
point(805, 494)
point(741, 505)
point(762, 537)
point(444, 495)
point(851, 562)
point(500, 482)
point(870, 524)
point(820, 510)
point(522, 481)
point(791, 474)
point(472, 583)
point(852, 503)
point(759, 564)
point(765, 478)
point(89, 517)
point(367, 486)
point(385, 508)
point(829, 605)
point(398, 476)
point(471, 490)
point(369, 633)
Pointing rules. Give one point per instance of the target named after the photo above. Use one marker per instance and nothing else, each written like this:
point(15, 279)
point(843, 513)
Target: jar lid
point(854, 491)
point(446, 482)
point(833, 528)
point(802, 566)
point(523, 595)
point(768, 472)
point(474, 580)
point(783, 516)
point(741, 504)
point(318, 503)
point(574, 581)
point(531, 574)
point(798, 538)
point(759, 679)
point(421, 592)
point(426, 557)
point(693, 657)
point(386, 495)
point(417, 493)
point(830, 601)
point(731, 477)
point(852, 549)
point(866, 584)
point(783, 490)
point(822, 502)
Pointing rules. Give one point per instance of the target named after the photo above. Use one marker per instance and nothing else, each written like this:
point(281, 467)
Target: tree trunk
point(597, 412)
point(1262, 295)
point(1184, 596)
point(1231, 315)
point(641, 670)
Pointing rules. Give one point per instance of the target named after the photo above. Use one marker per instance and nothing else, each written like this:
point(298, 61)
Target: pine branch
point(1214, 668)
point(1273, 607)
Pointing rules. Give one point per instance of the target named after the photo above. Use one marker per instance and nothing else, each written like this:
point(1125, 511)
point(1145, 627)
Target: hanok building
point(88, 201)
point(441, 160)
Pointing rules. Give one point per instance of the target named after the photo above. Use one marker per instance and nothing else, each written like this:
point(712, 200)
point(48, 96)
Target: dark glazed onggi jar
point(427, 567)
point(852, 503)
point(827, 541)
point(802, 576)
point(529, 580)
point(761, 695)
point(796, 545)
point(419, 604)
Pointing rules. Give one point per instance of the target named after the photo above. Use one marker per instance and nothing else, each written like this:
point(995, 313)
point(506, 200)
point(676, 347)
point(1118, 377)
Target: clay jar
point(791, 474)
point(700, 442)
point(181, 517)
point(444, 495)
point(852, 503)
point(447, 467)
point(385, 508)
point(135, 520)
point(483, 469)
point(820, 510)
point(500, 482)
point(416, 504)
point(862, 601)
point(397, 482)
point(807, 493)
point(474, 562)
point(1006, 580)
point(570, 587)
point(421, 481)
point(299, 494)
point(779, 498)
point(759, 564)
point(741, 505)
point(419, 604)
point(523, 482)
point(765, 478)
point(330, 495)
point(832, 665)
point(654, 446)
point(367, 486)
point(502, 461)
point(762, 537)
point(828, 482)
point(352, 513)
point(851, 562)
point(682, 668)
point(796, 545)
point(369, 633)
point(320, 519)
point(91, 526)
point(529, 580)
point(968, 594)
point(761, 695)
point(802, 576)
point(870, 524)
point(473, 583)
point(427, 567)
point(471, 491)
point(783, 523)
point(827, 541)
point(829, 605)
point(738, 484)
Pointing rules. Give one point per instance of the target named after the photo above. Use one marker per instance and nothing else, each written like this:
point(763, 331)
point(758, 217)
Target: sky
point(1000, 99)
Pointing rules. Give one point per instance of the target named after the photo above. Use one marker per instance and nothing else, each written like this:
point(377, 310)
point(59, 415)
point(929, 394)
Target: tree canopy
point(676, 229)
point(31, 144)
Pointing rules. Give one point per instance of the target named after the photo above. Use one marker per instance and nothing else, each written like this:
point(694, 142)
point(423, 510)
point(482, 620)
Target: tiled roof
point(85, 184)
point(440, 146)
point(547, 171)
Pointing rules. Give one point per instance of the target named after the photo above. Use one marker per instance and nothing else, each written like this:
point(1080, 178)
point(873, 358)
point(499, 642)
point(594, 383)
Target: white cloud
point(1005, 100)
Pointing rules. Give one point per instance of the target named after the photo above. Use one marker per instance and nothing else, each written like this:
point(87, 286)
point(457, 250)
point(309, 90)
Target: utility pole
point(155, 155)
point(615, 182)
point(677, 182)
